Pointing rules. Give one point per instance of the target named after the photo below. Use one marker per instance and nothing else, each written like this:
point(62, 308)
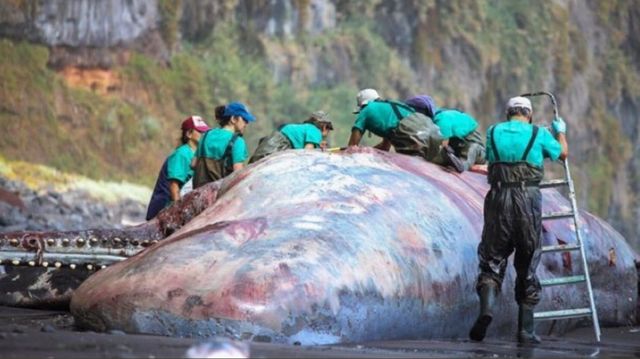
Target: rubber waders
point(451, 159)
point(487, 299)
point(526, 326)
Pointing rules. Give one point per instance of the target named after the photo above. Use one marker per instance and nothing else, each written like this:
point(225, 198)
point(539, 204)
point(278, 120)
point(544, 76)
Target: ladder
point(578, 246)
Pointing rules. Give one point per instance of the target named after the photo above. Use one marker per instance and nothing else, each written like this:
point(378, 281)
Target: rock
point(11, 198)
point(49, 210)
point(11, 215)
point(48, 328)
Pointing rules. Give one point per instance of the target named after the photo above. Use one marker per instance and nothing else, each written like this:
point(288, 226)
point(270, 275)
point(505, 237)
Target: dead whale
point(319, 248)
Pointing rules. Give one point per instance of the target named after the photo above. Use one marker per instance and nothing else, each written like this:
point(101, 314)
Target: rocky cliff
point(120, 74)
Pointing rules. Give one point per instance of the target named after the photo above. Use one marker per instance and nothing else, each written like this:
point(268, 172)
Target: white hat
point(519, 101)
point(364, 97)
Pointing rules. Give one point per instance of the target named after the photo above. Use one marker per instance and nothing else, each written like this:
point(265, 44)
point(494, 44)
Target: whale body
point(314, 248)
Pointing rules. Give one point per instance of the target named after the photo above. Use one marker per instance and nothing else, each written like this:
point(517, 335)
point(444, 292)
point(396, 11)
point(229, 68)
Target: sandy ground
point(30, 333)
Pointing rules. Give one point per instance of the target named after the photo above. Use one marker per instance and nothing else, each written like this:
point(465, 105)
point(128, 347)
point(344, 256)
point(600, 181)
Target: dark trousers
point(470, 149)
point(512, 221)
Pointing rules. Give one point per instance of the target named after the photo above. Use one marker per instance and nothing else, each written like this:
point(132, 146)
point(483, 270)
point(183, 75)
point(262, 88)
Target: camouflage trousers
point(269, 145)
point(470, 150)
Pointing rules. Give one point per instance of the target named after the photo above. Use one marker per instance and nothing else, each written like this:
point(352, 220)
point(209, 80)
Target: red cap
point(195, 123)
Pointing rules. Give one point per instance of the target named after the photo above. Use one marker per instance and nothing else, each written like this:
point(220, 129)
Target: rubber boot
point(451, 159)
point(487, 299)
point(526, 326)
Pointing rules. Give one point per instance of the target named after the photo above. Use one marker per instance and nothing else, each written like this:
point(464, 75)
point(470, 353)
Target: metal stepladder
point(578, 246)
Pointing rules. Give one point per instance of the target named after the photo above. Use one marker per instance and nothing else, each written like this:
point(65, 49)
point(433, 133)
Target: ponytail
point(220, 117)
point(184, 137)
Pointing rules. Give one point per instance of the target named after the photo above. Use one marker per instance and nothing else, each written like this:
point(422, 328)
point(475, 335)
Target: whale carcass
point(314, 247)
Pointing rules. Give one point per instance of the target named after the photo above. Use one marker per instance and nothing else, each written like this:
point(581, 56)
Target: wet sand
point(30, 333)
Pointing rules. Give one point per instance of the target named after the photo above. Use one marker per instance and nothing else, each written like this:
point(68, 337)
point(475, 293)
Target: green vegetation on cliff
point(127, 133)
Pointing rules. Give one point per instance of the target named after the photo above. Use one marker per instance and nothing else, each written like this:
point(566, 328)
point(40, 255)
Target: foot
point(525, 337)
point(453, 160)
point(479, 329)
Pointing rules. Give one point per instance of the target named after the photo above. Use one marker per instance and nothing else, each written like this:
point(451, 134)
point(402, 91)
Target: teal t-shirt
point(511, 139)
point(301, 134)
point(379, 118)
point(214, 142)
point(179, 164)
point(454, 123)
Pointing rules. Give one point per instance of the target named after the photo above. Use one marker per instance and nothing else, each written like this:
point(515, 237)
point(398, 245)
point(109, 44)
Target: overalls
point(512, 221)
point(209, 169)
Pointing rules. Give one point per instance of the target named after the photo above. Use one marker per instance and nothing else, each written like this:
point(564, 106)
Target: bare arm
point(238, 166)
point(385, 145)
point(563, 143)
point(355, 138)
point(174, 190)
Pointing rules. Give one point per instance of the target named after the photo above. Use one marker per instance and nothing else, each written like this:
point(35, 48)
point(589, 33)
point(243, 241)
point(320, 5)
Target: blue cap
point(238, 109)
point(423, 104)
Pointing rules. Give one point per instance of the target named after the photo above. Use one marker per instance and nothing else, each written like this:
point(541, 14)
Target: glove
point(558, 126)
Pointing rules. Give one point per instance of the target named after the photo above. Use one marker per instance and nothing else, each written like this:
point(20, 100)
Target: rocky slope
point(121, 74)
point(37, 198)
point(24, 209)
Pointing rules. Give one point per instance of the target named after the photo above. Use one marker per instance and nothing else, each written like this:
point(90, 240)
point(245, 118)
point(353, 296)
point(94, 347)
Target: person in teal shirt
point(176, 169)
point(222, 150)
point(307, 135)
point(459, 130)
point(401, 126)
point(513, 212)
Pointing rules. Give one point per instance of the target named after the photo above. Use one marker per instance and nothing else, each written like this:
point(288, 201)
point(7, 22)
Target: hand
point(558, 126)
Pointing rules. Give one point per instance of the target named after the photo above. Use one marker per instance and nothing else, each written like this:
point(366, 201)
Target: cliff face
point(156, 61)
point(86, 33)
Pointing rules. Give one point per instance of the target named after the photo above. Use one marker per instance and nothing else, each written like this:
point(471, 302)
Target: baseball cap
point(195, 123)
point(364, 97)
point(239, 109)
point(319, 118)
point(519, 101)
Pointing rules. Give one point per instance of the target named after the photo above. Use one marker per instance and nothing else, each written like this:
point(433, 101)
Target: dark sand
point(29, 333)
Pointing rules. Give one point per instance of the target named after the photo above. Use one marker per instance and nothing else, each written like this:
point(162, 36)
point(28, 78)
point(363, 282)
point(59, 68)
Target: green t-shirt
point(379, 118)
point(179, 164)
point(511, 139)
point(454, 123)
point(301, 134)
point(214, 142)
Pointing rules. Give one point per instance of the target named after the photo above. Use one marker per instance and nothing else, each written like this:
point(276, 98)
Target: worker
point(176, 169)
point(307, 135)
point(222, 150)
point(409, 132)
point(458, 129)
point(512, 212)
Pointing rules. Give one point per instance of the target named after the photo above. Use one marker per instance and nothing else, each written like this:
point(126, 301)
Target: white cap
point(364, 97)
point(519, 101)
